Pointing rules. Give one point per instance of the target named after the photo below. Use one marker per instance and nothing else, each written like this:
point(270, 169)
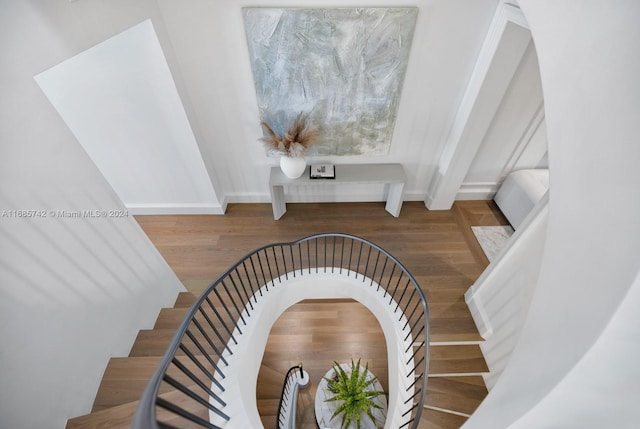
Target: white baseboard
point(176, 208)
point(248, 198)
point(477, 191)
point(428, 200)
point(414, 196)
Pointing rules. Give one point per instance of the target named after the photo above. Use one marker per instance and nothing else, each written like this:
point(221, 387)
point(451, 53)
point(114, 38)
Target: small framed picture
point(322, 171)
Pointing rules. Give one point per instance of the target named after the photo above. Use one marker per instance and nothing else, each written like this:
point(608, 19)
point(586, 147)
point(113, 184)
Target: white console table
point(388, 174)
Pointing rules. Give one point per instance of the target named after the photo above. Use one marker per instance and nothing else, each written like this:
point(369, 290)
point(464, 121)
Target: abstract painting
point(344, 67)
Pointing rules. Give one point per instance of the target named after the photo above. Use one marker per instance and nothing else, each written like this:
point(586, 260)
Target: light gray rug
point(492, 238)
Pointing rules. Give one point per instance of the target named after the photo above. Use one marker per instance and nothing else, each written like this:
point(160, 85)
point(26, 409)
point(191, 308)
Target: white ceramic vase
point(293, 166)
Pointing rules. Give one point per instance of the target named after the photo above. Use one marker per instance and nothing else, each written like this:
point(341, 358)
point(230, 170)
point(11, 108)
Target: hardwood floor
point(317, 333)
point(437, 247)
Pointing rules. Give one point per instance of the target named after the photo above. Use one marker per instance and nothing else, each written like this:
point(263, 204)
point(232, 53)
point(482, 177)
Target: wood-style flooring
point(437, 247)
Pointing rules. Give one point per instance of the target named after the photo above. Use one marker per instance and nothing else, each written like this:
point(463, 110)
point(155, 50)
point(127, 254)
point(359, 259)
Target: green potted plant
point(355, 388)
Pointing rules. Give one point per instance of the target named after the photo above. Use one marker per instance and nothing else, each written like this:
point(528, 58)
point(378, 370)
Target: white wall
point(516, 138)
point(211, 54)
point(211, 50)
point(120, 101)
point(505, 44)
point(562, 372)
point(205, 47)
point(73, 291)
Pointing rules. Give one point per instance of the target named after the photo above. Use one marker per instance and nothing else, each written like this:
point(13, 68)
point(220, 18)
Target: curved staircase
point(455, 387)
point(454, 390)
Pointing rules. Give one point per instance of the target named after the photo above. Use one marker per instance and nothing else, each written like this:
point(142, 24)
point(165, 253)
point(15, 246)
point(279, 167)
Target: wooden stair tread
point(432, 419)
point(463, 359)
point(449, 310)
point(118, 417)
point(125, 379)
point(435, 337)
point(155, 342)
point(152, 342)
point(185, 299)
point(121, 416)
point(188, 404)
point(453, 329)
point(462, 394)
point(266, 406)
point(269, 383)
point(171, 318)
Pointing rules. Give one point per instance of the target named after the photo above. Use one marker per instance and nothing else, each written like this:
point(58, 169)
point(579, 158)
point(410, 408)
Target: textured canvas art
point(344, 67)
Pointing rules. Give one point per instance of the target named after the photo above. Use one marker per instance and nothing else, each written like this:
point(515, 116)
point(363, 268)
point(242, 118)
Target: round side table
point(324, 410)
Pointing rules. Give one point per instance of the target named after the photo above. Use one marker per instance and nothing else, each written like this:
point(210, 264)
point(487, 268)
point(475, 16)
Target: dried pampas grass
point(298, 138)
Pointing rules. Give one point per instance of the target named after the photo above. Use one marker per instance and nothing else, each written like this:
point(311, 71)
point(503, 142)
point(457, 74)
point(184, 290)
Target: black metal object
point(196, 358)
point(288, 394)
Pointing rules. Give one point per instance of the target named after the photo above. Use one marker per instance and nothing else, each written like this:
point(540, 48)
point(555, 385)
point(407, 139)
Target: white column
point(501, 53)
